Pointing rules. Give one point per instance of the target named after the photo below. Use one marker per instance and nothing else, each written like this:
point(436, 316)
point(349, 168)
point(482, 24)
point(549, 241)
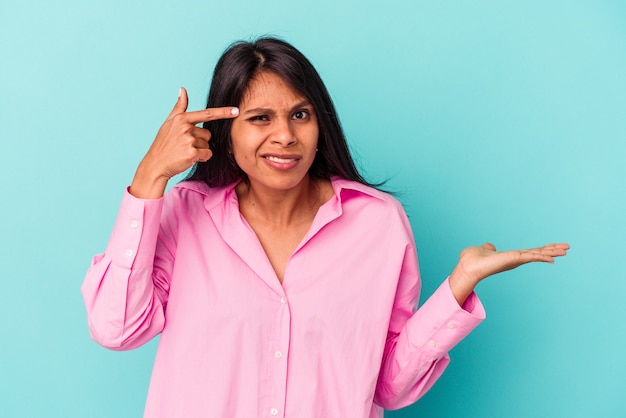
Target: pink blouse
point(341, 337)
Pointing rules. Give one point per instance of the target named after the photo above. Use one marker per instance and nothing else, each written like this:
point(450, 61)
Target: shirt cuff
point(440, 323)
point(134, 236)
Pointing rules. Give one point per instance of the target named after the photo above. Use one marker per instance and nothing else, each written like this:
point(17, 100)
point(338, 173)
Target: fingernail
point(180, 92)
point(234, 111)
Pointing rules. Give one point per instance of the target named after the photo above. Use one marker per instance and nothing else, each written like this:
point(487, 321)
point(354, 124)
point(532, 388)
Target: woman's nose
point(283, 133)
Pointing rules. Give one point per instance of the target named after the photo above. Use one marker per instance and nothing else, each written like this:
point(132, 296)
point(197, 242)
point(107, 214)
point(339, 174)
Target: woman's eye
point(301, 114)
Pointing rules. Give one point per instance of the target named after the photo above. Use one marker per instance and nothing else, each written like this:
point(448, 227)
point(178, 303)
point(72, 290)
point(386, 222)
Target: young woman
point(281, 282)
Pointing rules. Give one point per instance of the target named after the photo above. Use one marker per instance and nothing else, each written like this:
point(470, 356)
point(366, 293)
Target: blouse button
point(134, 224)
point(129, 252)
point(278, 354)
point(451, 325)
point(283, 300)
point(432, 344)
point(274, 411)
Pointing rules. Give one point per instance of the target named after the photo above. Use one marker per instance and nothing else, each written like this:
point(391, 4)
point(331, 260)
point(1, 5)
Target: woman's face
point(274, 138)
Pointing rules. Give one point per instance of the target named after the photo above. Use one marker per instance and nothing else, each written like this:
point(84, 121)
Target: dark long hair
point(237, 66)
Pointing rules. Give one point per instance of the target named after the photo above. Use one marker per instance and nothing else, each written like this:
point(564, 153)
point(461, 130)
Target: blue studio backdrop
point(500, 121)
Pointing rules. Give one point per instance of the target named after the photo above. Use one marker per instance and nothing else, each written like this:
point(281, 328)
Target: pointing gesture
point(178, 145)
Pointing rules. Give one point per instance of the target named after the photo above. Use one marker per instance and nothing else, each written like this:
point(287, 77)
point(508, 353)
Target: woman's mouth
point(279, 159)
point(282, 162)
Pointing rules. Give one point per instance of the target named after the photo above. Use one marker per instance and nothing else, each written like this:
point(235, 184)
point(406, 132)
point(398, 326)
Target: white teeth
point(279, 160)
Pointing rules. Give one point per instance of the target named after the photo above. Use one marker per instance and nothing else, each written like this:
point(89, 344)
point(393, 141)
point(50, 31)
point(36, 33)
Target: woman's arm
point(416, 353)
point(418, 341)
point(126, 288)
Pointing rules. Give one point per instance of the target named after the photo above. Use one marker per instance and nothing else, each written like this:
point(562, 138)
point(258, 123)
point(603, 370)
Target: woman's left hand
point(477, 263)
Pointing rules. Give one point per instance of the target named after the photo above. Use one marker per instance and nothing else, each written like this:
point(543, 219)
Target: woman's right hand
point(178, 145)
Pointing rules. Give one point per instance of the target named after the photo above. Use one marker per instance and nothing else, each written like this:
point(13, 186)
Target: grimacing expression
point(274, 138)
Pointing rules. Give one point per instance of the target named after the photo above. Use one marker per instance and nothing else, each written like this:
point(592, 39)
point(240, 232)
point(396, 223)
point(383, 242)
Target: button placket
point(279, 341)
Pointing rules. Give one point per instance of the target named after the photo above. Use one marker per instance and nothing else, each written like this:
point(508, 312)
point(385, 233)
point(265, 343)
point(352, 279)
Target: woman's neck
point(283, 207)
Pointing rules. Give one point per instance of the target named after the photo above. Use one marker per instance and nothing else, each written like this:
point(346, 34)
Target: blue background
point(497, 121)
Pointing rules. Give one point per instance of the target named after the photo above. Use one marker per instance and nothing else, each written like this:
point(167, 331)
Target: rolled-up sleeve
point(124, 293)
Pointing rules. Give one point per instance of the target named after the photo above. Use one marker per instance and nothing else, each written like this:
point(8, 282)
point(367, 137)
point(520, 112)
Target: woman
point(282, 283)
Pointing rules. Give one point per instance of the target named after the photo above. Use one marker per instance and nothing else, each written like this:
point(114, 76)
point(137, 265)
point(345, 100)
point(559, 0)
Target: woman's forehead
point(269, 90)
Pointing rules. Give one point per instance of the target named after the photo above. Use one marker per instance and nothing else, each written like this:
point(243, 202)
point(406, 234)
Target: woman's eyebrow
point(302, 104)
point(262, 110)
point(268, 111)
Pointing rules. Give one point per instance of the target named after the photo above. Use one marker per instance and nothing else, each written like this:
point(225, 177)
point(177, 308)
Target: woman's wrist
point(146, 186)
point(461, 284)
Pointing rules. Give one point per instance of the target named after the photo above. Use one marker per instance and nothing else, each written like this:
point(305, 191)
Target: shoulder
point(357, 199)
point(365, 208)
point(191, 193)
point(191, 187)
point(348, 190)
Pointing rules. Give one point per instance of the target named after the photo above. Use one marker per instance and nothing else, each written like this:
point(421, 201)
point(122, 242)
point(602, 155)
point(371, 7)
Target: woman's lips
point(282, 162)
point(279, 159)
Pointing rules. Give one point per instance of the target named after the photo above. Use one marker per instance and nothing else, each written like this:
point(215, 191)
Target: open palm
point(477, 263)
point(483, 261)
